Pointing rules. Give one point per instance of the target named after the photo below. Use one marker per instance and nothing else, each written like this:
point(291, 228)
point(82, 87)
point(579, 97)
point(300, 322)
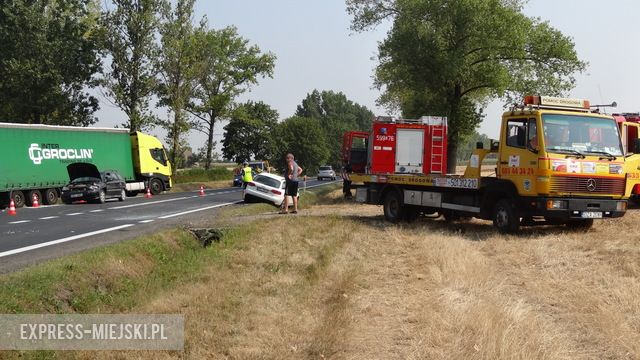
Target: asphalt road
point(34, 235)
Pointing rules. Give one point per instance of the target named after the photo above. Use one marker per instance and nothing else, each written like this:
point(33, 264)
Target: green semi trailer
point(36, 157)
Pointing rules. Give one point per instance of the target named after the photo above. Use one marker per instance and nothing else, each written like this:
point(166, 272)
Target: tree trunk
point(212, 123)
point(175, 139)
point(452, 158)
point(453, 131)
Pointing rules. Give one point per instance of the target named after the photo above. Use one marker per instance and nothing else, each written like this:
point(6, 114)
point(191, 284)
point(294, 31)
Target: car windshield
point(325, 168)
point(266, 180)
point(581, 135)
point(85, 179)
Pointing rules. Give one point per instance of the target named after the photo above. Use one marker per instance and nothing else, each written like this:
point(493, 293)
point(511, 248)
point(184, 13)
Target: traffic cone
point(35, 203)
point(148, 195)
point(201, 190)
point(12, 208)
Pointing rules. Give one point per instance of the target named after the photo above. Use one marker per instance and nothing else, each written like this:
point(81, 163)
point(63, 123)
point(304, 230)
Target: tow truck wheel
point(579, 224)
point(393, 210)
point(505, 218)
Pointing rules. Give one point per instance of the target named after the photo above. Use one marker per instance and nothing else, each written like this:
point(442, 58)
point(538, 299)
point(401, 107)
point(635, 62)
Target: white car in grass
point(267, 188)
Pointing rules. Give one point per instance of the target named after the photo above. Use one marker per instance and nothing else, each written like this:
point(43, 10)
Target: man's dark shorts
point(291, 188)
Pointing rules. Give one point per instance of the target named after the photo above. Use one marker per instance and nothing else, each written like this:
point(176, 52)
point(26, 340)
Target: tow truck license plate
point(592, 215)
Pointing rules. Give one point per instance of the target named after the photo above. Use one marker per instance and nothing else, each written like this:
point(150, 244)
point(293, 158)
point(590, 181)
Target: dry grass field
point(336, 282)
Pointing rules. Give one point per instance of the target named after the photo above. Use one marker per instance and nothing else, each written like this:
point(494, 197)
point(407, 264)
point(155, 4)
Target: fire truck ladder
point(437, 149)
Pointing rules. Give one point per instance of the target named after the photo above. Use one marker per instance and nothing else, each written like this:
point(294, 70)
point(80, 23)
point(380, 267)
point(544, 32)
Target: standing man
point(292, 173)
point(346, 181)
point(247, 176)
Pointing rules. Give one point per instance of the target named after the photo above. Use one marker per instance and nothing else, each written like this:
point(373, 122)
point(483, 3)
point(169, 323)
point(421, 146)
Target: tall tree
point(130, 31)
point(251, 133)
point(306, 140)
point(336, 114)
point(450, 57)
point(177, 69)
point(228, 66)
point(48, 59)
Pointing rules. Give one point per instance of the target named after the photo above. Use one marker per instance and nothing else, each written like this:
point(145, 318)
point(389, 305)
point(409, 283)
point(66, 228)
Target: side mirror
point(495, 145)
point(636, 146)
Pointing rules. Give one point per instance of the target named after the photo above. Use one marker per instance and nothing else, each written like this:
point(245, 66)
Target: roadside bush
point(202, 175)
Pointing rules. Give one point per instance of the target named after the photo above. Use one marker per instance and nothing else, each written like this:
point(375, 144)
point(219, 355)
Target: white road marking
point(20, 222)
point(74, 214)
point(200, 209)
point(146, 221)
point(60, 241)
point(96, 211)
point(146, 203)
point(49, 217)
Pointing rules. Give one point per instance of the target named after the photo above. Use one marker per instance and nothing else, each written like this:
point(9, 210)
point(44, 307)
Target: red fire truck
point(558, 163)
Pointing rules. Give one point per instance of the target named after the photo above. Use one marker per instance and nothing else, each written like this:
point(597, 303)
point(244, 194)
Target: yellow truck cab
point(151, 163)
point(564, 161)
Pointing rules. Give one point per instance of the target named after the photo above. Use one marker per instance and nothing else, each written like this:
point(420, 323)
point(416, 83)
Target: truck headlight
point(621, 206)
point(557, 204)
point(65, 188)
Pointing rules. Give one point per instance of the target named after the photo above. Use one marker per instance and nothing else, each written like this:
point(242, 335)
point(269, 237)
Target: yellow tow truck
point(558, 162)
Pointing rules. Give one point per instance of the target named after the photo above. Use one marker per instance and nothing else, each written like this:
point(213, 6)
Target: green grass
point(202, 175)
point(109, 279)
point(118, 277)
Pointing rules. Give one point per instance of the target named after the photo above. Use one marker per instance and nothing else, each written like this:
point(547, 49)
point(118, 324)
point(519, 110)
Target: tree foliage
point(130, 39)
point(48, 58)
point(335, 114)
point(251, 133)
point(306, 140)
point(450, 57)
point(177, 68)
point(227, 67)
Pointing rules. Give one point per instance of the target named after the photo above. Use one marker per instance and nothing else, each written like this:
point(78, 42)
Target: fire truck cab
point(557, 163)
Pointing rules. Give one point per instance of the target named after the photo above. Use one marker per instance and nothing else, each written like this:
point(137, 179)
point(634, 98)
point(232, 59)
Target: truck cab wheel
point(580, 224)
point(156, 186)
point(505, 217)
point(18, 198)
point(392, 206)
point(50, 197)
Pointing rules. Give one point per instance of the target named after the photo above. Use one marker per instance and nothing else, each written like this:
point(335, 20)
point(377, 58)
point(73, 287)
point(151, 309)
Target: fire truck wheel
point(393, 209)
point(582, 225)
point(505, 218)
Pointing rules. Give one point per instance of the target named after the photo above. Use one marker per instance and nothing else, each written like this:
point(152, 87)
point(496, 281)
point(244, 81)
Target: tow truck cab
point(560, 161)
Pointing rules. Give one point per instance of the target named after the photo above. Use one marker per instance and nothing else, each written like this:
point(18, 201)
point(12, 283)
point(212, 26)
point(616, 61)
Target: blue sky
point(317, 50)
